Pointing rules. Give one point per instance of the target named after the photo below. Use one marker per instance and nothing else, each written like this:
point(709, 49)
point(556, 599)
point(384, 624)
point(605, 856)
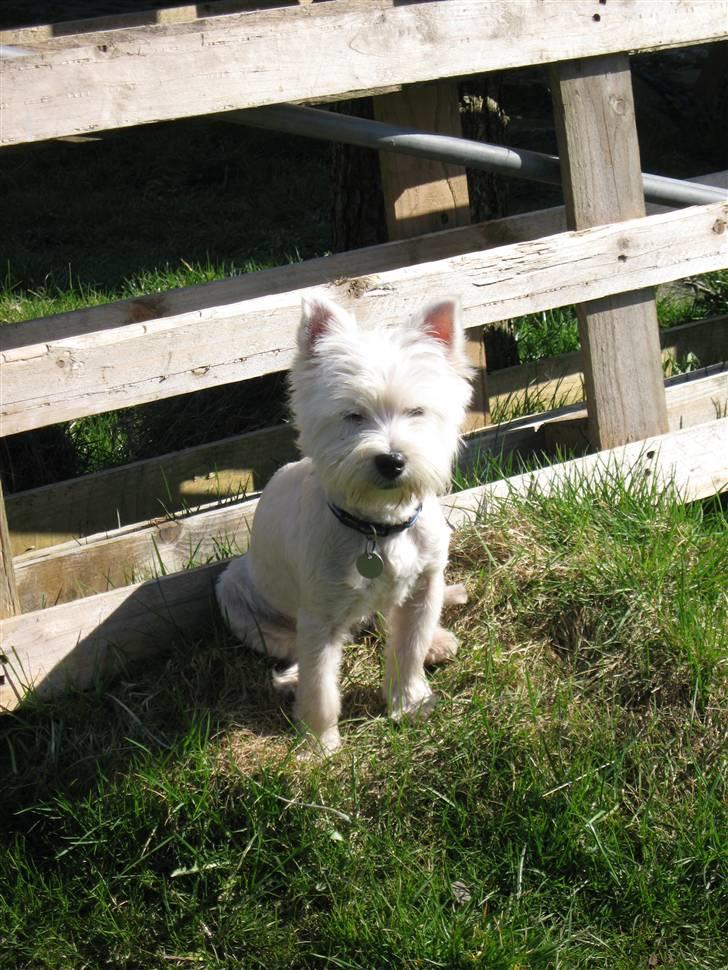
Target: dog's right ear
point(441, 321)
point(319, 316)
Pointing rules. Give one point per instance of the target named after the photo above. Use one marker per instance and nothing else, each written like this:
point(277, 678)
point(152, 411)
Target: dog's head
point(379, 409)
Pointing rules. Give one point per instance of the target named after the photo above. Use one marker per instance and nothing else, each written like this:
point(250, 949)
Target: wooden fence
point(601, 252)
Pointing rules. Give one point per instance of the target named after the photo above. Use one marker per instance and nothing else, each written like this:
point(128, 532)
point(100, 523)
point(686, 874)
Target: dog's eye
point(354, 417)
point(415, 412)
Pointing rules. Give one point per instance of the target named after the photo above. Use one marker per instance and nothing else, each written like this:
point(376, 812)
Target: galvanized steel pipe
point(515, 162)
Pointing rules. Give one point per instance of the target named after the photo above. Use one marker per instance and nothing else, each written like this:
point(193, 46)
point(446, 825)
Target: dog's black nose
point(390, 466)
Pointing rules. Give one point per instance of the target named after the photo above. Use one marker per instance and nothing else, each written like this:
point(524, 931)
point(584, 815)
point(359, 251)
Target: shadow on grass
point(154, 665)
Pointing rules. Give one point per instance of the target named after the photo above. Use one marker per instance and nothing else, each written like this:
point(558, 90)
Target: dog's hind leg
point(444, 647)
point(250, 617)
point(455, 595)
point(286, 681)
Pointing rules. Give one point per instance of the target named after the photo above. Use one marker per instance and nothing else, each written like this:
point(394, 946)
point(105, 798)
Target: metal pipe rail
point(515, 162)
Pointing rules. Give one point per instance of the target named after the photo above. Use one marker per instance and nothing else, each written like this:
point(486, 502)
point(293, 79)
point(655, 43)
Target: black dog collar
point(370, 564)
point(371, 529)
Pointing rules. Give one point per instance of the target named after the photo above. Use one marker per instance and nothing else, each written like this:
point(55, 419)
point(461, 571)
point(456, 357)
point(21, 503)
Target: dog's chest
point(402, 566)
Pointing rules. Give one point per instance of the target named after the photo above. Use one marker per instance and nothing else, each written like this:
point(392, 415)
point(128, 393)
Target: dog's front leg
point(318, 700)
point(412, 627)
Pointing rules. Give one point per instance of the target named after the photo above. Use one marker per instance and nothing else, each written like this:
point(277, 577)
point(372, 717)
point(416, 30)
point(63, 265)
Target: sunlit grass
point(565, 806)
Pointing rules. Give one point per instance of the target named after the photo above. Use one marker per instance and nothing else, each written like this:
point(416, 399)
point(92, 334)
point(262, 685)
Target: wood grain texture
point(340, 48)
point(602, 182)
point(148, 489)
point(74, 642)
point(692, 399)
point(422, 196)
point(561, 378)
point(313, 272)
point(694, 461)
point(135, 552)
point(61, 34)
point(132, 554)
point(64, 379)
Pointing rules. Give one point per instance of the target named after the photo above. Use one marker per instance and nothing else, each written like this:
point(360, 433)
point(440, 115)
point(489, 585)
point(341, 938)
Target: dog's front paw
point(318, 748)
point(414, 701)
point(444, 647)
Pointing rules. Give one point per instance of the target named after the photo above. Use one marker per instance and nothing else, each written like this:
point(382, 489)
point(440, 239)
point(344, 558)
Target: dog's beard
point(351, 479)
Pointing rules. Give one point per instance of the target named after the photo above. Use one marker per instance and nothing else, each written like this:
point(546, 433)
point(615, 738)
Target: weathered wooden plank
point(706, 339)
point(54, 36)
point(75, 642)
point(422, 196)
point(78, 507)
point(602, 182)
point(340, 48)
point(56, 381)
point(372, 259)
point(561, 378)
point(694, 461)
point(142, 490)
point(312, 272)
point(137, 551)
point(692, 399)
point(131, 554)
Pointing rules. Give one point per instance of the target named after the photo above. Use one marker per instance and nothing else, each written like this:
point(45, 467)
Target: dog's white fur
point(296, 594)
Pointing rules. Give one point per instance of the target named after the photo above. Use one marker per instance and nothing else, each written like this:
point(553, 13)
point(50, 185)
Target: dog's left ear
point(441, 320)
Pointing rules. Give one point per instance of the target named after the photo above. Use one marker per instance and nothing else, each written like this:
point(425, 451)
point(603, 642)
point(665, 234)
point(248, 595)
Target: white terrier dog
point(355, 528)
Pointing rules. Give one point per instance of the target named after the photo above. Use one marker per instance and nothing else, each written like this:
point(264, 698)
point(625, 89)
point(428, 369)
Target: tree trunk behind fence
point(357, 207)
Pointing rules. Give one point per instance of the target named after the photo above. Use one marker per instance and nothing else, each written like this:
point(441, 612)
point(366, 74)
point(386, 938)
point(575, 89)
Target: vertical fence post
point(600, 166)
point(423, 196)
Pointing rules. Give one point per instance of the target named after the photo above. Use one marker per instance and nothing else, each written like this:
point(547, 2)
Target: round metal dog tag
point(370, 565)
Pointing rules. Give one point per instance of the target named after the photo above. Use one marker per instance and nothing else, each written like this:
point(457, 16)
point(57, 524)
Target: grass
point(565, 806)
point(158, 206)
point(554, 332)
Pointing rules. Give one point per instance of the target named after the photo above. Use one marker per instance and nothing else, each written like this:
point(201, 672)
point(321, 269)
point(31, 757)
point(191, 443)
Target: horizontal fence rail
point(132, 76)
point(105, 370)
point(432, 246)
point(131, 553)
point(52, 514)
point(313, 272)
